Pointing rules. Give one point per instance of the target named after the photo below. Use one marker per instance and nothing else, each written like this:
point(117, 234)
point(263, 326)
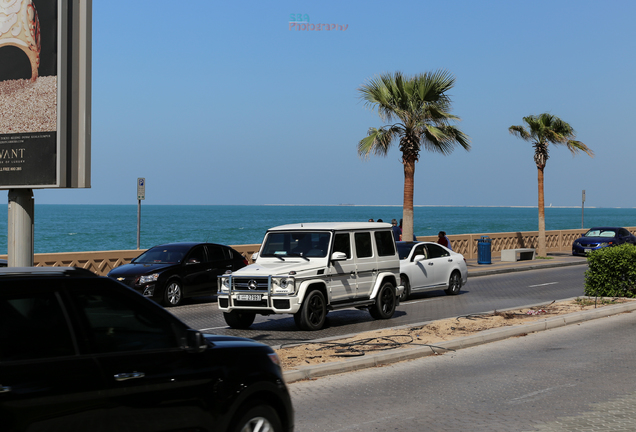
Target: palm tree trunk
point(542, 245)
point(407, 209)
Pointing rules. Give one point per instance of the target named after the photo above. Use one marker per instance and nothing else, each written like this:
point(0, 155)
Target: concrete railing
point(104, 261)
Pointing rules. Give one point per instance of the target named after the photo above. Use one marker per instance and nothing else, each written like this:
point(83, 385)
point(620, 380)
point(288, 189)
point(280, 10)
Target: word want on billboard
point(300, 22)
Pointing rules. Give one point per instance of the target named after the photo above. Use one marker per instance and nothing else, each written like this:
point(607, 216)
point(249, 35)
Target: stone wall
point(466, 244)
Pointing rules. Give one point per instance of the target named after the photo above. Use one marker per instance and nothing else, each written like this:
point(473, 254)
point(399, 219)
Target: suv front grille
point(250, 284)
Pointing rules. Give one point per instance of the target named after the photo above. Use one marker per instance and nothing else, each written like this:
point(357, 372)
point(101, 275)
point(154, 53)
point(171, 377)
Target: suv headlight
point(224, 286)
point(148, 278)
point(283, 285)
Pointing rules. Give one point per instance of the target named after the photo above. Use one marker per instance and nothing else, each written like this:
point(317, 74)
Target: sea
point(75, 228)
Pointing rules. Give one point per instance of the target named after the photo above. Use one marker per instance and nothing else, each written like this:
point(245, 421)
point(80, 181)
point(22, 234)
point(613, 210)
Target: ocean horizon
point(96, 227)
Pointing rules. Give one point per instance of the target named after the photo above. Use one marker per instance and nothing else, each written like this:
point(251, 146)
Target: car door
point(196, 276)
point(218, 261)
point(421, 274)
point(150, 381)
point(366, 265)
point(45, 383)
point(342, 277)
point(441, 262)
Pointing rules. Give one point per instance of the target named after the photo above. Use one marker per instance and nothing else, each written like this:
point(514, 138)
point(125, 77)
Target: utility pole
point(20, 238)
point(582, 209)
point(141, 195)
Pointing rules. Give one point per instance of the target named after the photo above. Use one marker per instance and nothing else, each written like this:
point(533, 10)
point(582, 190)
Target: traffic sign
point(141, 188)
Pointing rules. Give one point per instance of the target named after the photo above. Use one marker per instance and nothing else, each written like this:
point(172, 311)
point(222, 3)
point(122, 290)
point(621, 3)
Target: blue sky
point(221, 103)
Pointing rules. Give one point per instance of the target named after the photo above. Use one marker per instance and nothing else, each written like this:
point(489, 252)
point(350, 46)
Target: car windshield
point(296, 243)
point(162, 255)
point(404, 249)
point(600, 233)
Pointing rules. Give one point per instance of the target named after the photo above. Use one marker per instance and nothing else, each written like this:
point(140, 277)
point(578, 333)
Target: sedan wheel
point(407, 289)
point(454, 284)
point(173, 294)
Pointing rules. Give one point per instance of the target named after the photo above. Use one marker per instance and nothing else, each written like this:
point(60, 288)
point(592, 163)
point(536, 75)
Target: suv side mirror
point(254, 256)
point(338, 256)
point(195, 341)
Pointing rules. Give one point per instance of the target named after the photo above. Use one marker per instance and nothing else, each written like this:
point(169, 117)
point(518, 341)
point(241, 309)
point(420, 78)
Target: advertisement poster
point(28, 93)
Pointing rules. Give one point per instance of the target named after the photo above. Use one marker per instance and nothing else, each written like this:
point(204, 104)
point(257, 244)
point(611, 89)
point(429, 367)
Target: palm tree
point(421, 108)
point(543, 130)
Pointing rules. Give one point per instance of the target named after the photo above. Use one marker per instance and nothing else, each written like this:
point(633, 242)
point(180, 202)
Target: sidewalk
point(555, 259)
point(558, 259)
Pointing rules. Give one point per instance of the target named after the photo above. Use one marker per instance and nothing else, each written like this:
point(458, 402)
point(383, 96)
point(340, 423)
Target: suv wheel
point(311, 315)
point(384, 306)
point(173, 294)
point(259, 418)
point(454, 284)
point(239, 319)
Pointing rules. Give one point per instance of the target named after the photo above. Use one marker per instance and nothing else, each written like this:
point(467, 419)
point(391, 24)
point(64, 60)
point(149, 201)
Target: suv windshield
point(296, 243)
point(162, 255)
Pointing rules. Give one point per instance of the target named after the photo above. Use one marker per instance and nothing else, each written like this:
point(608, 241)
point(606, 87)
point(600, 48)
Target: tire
point(313, 312)
point(239, 319)
point(259, 418)
point(454, 284)
point(385, 302)
point(172, 294)
point(407, 288)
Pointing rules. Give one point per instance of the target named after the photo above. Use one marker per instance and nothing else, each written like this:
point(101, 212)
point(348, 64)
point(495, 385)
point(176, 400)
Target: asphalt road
point(480, 294)
point(574, 378)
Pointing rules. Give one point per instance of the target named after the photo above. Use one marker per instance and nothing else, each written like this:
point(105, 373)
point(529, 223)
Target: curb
point(477, 273)
point(486, 336)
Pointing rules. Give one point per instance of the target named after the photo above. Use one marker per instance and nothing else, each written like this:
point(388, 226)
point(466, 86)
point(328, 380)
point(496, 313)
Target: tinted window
point(385, 243)
point(162, 254)
point(216, 253)
point(435, 251)
point(342, 243)
point(33, 327)
point(420, 250)
point(299, 243)
point(404, 249)
point(118, 323)
point(363, 245)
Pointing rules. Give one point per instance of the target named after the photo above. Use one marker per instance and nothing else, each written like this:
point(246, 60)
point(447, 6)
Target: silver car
point(427, 266)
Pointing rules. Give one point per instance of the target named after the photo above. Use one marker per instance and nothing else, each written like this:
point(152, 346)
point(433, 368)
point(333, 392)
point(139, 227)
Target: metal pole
point(20, 224)
point(138, 223)
point(582, 209)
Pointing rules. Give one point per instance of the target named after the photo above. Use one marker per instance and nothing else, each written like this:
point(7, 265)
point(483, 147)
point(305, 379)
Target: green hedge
point(611, 272)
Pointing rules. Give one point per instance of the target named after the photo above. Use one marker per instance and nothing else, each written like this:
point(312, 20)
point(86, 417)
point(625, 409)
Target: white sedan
point(427, 266)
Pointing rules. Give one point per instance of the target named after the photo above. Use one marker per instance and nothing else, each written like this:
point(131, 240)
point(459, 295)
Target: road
point(574, 378)
point(480, 294)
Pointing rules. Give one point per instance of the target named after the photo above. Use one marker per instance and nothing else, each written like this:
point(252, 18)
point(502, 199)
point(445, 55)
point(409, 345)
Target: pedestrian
point(380, 220)
point(371, 220)
point(443, 240)
point(397, 232)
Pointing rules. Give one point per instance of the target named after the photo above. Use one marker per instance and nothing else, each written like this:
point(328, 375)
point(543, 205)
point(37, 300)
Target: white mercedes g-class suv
point(308, 269)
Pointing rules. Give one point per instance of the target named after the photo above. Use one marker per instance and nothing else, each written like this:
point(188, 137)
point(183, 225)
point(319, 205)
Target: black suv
point(80, 352)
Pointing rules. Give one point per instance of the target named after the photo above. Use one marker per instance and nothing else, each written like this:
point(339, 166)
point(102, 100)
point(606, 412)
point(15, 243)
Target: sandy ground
point(433, 334)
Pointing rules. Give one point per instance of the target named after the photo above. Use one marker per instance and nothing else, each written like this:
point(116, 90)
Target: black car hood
point(138, 269)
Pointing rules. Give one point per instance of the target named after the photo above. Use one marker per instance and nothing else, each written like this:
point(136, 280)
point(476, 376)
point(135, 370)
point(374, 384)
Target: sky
point(221, 103)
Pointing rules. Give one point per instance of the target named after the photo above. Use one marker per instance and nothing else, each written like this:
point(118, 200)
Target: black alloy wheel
point(407, 288)
point(385, 302)
point(313, 311)
point(454, 283)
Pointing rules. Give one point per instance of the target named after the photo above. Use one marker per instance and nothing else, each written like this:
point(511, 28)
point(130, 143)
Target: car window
point(600, 233)
point(116, 322)
point(623, 232)
point(404, 249)
point(420, 250)
point(342, 243)
point(196, 256)
point(364, 249)
point(162, 255)
point(216, 253)
point(385, 243)
point(435, 251)
point(33, 326)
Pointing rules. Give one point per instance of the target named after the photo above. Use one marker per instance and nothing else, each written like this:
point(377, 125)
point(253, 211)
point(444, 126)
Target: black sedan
point(171, 272)
point(600, 237)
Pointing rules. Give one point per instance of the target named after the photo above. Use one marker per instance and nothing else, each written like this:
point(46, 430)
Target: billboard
point(45, 79)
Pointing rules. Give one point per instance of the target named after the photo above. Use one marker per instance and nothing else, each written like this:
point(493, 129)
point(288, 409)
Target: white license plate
point(248, 297)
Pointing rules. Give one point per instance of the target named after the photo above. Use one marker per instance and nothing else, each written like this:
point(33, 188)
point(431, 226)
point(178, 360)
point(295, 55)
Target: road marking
point(540, 392)
point(418, 301)
point(549, 283)
point(213, 328)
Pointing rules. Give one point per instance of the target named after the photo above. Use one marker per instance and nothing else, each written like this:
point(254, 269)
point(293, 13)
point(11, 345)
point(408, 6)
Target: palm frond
point(378, 141)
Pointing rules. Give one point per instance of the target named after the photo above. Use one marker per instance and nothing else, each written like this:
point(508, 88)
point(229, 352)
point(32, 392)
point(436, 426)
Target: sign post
point(141, 195)
point(582, 208)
